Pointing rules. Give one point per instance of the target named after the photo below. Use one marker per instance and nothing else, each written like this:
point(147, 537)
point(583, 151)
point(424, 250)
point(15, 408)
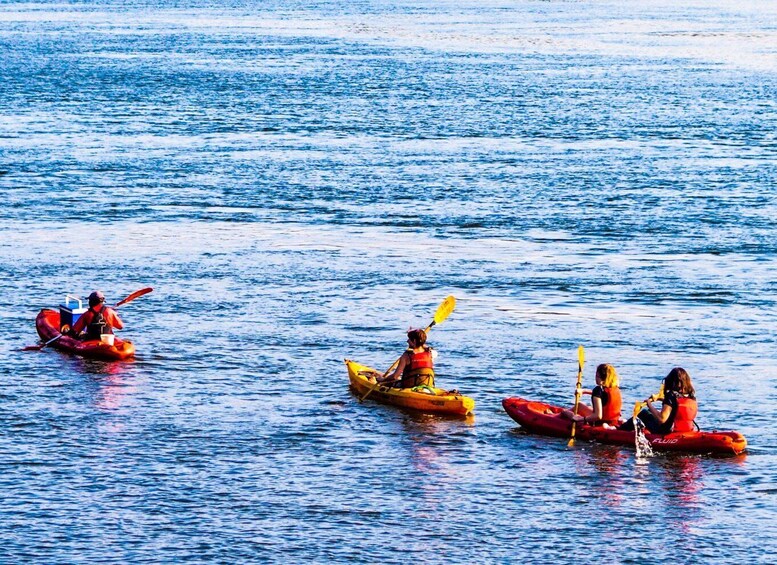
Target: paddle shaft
point(39, 347)
point(578, 391)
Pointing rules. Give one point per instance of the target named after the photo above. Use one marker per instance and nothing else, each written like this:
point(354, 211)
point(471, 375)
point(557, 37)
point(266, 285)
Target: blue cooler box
point(70, 311)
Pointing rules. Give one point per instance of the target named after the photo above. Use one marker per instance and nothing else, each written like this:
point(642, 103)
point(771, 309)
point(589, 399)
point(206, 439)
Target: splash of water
point(640, 441)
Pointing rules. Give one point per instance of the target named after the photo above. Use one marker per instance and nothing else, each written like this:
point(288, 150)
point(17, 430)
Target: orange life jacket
point(685, 414)
point(419, 369)
point(611, 411)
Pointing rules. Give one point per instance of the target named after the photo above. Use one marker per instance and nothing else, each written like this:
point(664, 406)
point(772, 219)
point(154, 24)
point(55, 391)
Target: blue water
point(300, 183)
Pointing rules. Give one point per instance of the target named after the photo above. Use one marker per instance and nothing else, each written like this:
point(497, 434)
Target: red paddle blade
point(134, 295)
point(32, 348)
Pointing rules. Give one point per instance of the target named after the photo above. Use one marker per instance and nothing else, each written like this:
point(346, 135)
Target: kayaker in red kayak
point(99, 319)
point(416, 366)
point(678, 410)
point(606, 401)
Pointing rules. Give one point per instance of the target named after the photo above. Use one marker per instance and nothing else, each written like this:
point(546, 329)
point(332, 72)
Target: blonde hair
point(607, 375)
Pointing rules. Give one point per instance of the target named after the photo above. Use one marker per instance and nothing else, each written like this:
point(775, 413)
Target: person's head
point(678, 380)
point(96, 298)
point(416, 338)
point(606, 376)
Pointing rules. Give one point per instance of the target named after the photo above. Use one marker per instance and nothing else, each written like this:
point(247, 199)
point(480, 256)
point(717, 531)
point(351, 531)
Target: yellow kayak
point(425, 399)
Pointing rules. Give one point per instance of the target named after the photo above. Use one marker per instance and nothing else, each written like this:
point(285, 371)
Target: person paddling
point(606, 401)
point(99, 319)
point(416, 366)
point(678, 410)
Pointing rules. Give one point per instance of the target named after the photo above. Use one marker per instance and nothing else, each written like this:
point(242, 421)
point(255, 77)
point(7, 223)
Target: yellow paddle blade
point(580, 356)
point(444, 310)
point(638, 406)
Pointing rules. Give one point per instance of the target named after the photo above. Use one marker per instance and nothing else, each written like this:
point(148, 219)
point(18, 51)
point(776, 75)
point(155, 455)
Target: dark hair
point(417, 337)
point(678, 380)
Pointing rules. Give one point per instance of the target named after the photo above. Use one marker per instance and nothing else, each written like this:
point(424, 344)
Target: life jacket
point(419, 369)
point(686, 411)
point(611, 411)
point(98, 325)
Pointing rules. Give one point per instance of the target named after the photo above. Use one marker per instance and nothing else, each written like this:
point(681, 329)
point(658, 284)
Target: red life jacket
point(419, 369)
point(611, 411)
point(685, 414)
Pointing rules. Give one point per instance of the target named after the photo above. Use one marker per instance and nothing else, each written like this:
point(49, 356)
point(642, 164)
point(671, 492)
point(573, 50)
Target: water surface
point(300, 183)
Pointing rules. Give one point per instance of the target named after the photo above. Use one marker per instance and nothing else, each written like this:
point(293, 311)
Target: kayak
point(541, 418)
point(47, 324)
point(422, 398)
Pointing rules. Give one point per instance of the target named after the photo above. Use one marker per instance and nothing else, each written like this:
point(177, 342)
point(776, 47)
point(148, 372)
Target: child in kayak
point(606, 401)
point(98, 320)
point(678, 410)
point(416, 366)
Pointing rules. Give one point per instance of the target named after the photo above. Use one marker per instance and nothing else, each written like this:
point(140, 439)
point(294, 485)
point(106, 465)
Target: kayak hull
point(442, 402)
point(47, 324)
point(544, 419)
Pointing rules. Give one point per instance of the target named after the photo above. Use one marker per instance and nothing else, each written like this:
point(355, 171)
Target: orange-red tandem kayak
point(424, 399)
point(541, 418)
point(47, 324)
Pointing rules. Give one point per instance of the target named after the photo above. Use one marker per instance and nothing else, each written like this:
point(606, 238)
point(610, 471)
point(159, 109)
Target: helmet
point(96, 298)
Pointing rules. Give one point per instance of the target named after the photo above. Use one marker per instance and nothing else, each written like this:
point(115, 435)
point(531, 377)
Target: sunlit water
point(301, 182)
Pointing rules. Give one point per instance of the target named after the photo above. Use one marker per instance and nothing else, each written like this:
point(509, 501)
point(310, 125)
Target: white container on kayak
point(107, 339)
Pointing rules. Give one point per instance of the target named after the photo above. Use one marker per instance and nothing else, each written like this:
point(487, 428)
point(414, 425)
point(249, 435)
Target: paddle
point(134, 295)
point(639, 405)
point(39, 347)
point(130, 298)
point(443, 311)
point(578, 391)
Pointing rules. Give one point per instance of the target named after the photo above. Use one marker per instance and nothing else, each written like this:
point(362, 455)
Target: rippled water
point(300, 182)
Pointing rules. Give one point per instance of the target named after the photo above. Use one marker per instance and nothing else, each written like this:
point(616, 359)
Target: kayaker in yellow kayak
point(416, 366)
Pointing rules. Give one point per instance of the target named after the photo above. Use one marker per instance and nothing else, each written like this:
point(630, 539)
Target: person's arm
point(666, 410)
point(397, 374)
point(596, 409)
point(596, 404)
point(115, 321)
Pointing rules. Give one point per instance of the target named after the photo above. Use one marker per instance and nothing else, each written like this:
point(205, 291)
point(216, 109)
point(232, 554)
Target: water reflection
point(115, 383)
point(684, 478)
point(609, 463)
point(432, 457)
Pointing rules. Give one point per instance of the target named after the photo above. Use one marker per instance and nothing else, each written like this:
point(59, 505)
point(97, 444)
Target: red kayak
point(541, 418)
point(47, 324)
